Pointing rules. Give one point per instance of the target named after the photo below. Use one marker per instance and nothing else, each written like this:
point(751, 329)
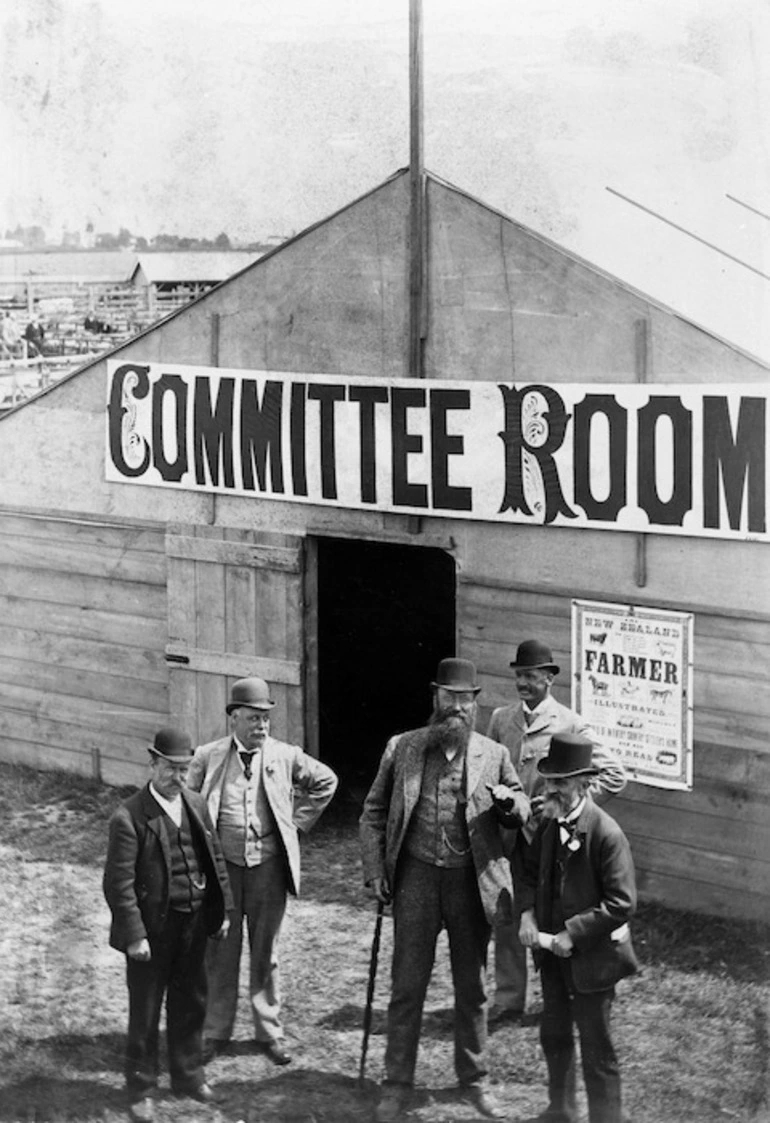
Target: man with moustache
point(166, 885)
point(578, 893)
point(432, 844)
point(260, 794)
point(525, 728)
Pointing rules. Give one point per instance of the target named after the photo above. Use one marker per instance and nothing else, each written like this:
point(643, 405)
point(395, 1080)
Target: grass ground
point(692, 1027)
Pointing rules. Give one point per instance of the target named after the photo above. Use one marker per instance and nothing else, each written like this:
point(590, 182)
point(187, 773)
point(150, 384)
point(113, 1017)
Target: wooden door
point(234, 609)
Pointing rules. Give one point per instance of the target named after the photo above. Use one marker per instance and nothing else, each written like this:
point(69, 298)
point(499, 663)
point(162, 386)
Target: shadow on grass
point(435, 1023)
point(293, 1097)
point(54, 1099)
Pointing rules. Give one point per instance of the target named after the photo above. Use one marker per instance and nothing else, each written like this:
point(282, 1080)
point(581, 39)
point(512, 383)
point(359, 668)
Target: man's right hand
point(528, 930)
point(139, 950)
point(380, 889)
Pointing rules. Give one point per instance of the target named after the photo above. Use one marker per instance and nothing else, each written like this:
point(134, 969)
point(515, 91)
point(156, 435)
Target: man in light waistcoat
point(260, 793)
point(526, 727)
point(432, 844)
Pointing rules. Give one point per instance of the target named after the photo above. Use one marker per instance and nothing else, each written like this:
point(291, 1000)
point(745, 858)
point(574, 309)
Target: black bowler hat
point(172, 744)
point(456, 674)
point(251, 692)
point(533, 655)
point(568, 755)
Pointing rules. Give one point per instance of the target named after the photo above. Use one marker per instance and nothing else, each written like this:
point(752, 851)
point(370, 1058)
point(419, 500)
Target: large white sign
point(686, 460)
point(632, 680)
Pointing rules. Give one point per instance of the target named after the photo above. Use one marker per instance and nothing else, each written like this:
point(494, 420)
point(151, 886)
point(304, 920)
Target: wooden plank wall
point(707, 849)
point(83, 676)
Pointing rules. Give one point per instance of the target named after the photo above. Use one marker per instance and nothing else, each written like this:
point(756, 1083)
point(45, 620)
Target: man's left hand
point(222, 932)
point(562, 944)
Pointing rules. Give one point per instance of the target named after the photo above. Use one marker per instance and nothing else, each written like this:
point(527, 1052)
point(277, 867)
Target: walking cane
point(370, 989)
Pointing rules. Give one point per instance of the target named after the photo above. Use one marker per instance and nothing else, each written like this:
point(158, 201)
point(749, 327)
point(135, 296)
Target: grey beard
point(553, 808)
point(449, 732)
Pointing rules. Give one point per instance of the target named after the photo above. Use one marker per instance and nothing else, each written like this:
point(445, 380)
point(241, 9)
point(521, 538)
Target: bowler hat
point(172, 744)
point(251, 692)
point(456, 674)
point(568, 755)
point(533, 655)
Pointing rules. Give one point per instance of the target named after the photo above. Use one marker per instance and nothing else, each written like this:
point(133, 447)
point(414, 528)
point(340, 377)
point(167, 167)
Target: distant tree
point(107, 241)
point(125, 237)
point(141, 244)
point(222, 242)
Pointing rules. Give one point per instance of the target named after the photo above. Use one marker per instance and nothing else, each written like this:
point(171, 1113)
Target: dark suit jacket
point(393, 797)
point(598, 896)
point(137, 873)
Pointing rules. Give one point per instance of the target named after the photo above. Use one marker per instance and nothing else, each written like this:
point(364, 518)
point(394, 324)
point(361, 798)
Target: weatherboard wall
point(84, 572)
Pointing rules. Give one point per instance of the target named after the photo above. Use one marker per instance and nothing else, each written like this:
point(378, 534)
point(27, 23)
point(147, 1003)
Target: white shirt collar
point(172, 807)
point(574, 813)
point(533, 709)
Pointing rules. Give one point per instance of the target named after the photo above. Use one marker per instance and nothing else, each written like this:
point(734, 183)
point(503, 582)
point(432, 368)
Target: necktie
point(248, 760)
point(529, 717)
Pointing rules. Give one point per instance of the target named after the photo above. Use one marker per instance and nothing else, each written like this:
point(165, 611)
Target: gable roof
point(192, 265)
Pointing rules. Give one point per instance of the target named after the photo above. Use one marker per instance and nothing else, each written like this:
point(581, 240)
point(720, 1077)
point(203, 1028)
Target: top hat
point(172, 744)
point(568, 755)
point(251, 692)
point(456, 674)
point(533, 655)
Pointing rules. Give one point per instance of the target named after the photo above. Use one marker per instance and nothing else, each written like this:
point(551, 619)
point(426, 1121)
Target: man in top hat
point(432, 844)
point(578, 892)
point(525, 728)
point(260, 793)
point(166, 885)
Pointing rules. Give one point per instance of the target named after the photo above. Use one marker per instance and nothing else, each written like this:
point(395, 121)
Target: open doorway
point(386, 616)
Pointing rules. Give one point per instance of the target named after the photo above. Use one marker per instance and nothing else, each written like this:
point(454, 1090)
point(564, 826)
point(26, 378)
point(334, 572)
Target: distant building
point(167, 280)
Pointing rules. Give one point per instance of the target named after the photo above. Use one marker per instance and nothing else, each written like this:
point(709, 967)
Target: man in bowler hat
point(432, 844)
point(260, 794)
point(166, 885)
point(578, 893)
point(525, 727)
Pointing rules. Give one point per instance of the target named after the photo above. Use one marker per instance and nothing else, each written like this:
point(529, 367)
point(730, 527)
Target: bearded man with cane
point(432, 844)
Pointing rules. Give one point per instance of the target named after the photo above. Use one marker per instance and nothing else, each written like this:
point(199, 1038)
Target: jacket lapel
point(474, 765)
point(154, 815)
point(413, 771)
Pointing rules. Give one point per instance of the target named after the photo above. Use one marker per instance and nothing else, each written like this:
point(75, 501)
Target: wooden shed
point(124, 607)
point(166, 281)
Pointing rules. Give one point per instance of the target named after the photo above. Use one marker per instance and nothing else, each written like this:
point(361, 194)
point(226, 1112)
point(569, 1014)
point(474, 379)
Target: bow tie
point(568, 833)
point(248, 761)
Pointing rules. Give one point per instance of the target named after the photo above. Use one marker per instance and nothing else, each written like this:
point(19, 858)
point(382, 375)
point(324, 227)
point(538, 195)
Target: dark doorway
point(386, 616)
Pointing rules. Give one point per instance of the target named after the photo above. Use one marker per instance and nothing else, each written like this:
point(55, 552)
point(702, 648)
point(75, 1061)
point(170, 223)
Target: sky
point(261, 117)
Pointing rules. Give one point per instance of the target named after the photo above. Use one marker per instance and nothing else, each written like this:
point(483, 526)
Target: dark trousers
point(427, 899)
point(564, 1007)
point(176, 970)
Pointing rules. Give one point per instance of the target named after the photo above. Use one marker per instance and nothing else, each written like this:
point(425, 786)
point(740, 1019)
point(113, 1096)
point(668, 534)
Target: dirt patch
point(691, 1028)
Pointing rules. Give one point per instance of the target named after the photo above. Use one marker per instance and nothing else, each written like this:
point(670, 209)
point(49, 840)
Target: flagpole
point(417, 194)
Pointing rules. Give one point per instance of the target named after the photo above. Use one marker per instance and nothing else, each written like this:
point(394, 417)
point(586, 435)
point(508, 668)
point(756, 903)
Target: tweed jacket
point(137, 872)
point(529, 744)
point(393, 797)
point(297, 787)
point(598, 895)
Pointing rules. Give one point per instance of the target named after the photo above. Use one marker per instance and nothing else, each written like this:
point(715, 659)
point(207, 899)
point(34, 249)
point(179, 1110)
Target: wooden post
point(215, 325)
point(642, 363)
